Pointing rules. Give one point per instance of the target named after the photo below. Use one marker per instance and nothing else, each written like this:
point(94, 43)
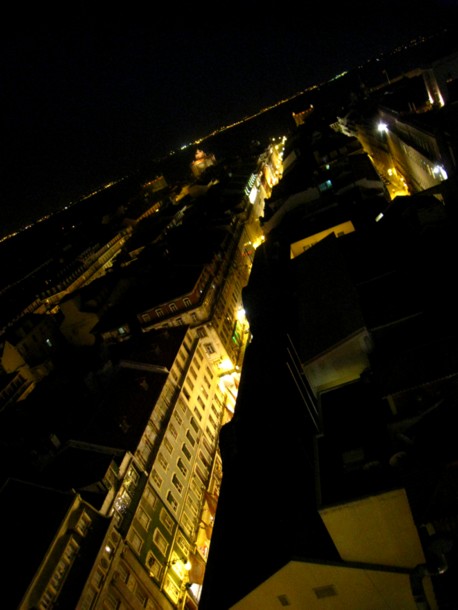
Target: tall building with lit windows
point(155, 434)
point(164, 506)
point(134, 455)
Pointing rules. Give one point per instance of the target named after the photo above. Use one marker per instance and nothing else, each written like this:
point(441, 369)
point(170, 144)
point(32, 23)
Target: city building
point(339, 464)
point(127, 423)
point(201, 162)
point(343, 334)
point(408, 128)
point(55, 537)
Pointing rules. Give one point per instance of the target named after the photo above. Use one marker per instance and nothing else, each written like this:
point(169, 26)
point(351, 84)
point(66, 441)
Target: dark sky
point(88, 94)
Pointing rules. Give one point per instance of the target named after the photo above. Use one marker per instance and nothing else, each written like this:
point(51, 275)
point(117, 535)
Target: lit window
point(160, 541)
point(186, 451)
point(172, 501)
point(149, 496)
point(166, 520)
point(143, 518)
point(182, 467)
point(135, 541)
point(190, 438)
point(168, 445)
point(209, 348)
point(201, 332)
point(162, 461)
point(154, 565)
point(178, 484)
point(83, 524)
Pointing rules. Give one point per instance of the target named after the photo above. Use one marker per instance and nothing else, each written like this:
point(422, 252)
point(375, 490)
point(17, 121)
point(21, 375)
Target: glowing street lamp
point(440, 172)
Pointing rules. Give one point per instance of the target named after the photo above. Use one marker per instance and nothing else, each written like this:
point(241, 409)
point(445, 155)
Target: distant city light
point(382, 127)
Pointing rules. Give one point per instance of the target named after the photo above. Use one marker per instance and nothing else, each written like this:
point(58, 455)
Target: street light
point(440, 172)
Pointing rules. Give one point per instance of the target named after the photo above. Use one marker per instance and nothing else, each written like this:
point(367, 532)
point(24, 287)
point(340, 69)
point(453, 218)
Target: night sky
point(89, 94)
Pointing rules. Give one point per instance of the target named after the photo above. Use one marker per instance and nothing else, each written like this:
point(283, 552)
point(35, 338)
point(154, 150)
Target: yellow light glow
point(258, 242)
point(225, 365)
point(253, 195)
